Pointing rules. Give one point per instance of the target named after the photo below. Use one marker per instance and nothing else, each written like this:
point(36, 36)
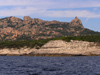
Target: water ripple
point(20, 65)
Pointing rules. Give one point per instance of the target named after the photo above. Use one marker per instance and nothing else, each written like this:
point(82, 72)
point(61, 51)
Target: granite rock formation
point(13, 28)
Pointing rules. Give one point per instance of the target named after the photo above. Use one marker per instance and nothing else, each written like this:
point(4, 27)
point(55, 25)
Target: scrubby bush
point(39, 43)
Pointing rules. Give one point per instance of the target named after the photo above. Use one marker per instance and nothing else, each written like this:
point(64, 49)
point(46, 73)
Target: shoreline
point(56, 48)
point(49, 55)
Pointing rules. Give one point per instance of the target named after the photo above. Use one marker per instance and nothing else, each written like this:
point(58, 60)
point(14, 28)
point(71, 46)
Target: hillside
point(55, 48)
point(39, 43)
point(13, 28)
point(63, 46)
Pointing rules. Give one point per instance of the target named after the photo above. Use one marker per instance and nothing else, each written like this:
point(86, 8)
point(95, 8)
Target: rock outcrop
point(76, 20)
point(13, 51)
point(58, 47)
point(13, 28)
point(70, 48)
point(54, 44)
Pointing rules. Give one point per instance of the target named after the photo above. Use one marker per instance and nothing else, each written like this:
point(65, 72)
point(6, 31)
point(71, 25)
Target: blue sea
point(21, 65)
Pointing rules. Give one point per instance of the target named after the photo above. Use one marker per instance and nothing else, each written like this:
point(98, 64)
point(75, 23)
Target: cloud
point(95, 9)
point(20, 11)
point(40, 8)
point(15, 2)
point(25, 2)
point(53, 3)
point(88, 17)
point(73, 13)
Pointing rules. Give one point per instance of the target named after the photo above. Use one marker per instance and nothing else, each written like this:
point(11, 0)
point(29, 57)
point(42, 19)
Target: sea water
point(21, 65)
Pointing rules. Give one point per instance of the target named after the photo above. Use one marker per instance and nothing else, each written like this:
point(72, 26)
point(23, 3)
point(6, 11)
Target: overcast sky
point(62, 10)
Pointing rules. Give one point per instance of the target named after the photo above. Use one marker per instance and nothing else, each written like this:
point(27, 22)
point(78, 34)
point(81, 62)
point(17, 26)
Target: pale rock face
point(55, 44)
point(59, 47)
point(17, 51)
point(73, 44)
point(73, 47)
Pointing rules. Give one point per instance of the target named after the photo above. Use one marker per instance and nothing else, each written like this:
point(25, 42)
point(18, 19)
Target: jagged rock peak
point(76, 17)
point(76, 20)
point(37, 20)
point(55, 21)
point(14, 19)
point(12, 16)
point(9, 17)
point(27, 18)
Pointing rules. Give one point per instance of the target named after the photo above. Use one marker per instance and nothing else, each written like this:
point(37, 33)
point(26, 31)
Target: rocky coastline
point(57, 48)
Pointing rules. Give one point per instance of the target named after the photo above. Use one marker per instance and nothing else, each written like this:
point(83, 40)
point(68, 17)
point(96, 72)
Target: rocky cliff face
point(54, 47)
point(13, 28)
point(73, 47)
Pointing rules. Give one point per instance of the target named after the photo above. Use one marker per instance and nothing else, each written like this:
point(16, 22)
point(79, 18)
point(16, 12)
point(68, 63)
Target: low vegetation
point(38, 43)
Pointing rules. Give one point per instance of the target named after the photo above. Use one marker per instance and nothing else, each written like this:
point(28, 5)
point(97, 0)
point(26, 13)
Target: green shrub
point(39, 43)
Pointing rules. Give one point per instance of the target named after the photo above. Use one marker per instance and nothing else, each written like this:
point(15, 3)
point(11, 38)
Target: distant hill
point(13, 28)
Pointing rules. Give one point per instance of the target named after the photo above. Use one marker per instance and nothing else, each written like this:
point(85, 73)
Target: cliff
point(13, 28)
point(59, 47)
point(73, 47)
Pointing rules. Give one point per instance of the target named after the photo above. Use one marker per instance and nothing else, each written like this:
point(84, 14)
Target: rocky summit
point(13, 28)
